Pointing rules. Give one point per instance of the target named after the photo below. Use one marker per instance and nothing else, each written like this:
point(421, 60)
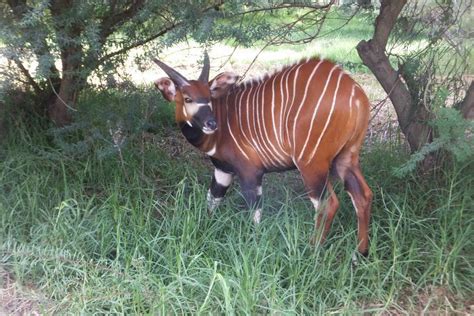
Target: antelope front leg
point(251, 187)
point(220, 183)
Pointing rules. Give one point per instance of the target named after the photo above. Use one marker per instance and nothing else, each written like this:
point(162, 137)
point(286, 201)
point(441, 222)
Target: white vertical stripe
point(248, 90)
point(272, 152)
point(253, 132)
point(350, 101)
point(262, 143)
point(287, 100)
point(286, 96)
point(230, 130)
point(287, 111)
point(274, 125)
point(310, 132)
point(327, 120)
point(303, 104)
point(282, 103)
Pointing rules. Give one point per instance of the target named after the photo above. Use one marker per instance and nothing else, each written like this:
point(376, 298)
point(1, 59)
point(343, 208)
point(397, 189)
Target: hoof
point(355, 257)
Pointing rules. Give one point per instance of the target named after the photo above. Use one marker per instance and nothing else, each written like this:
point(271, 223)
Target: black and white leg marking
point(252, 191)
point(257, 215)
point(219, 185)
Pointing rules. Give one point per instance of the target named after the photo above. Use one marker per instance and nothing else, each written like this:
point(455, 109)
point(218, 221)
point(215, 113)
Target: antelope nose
point(211, 124)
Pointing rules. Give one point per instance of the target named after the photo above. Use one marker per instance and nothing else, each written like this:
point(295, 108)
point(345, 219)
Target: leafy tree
point(430, 77)
point(88, 36)
point(85, 36)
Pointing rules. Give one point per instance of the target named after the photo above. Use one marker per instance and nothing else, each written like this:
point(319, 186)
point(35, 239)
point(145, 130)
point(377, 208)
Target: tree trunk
point(466, 107)
point(59, 108)
point(412, 117)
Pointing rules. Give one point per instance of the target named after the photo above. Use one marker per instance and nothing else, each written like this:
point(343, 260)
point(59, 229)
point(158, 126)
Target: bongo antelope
point(310, 115)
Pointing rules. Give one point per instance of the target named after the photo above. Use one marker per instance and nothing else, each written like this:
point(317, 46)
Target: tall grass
point(92, 238)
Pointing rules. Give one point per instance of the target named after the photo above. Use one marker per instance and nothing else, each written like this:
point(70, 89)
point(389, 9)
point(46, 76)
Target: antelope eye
point(188, 100)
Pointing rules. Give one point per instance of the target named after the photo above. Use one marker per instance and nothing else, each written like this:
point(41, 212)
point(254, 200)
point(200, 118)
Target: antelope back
point(307, 111)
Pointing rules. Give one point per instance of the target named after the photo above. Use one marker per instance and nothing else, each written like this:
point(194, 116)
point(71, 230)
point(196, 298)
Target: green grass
point(91, 234)
point(337, 40)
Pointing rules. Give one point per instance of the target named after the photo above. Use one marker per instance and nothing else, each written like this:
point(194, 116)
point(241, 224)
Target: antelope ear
point(221, 83)
point(166, 87)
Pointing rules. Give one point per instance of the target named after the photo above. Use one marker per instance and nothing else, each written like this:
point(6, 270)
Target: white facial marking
point(259, 190)
point(204, 104)
point(208, 131)
point(223, 178)
point(212, 151)
point(184, 112)
point(257, 216)
point(191, 108)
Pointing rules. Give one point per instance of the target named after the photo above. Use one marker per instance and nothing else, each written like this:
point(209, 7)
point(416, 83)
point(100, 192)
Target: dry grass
point(17, 299)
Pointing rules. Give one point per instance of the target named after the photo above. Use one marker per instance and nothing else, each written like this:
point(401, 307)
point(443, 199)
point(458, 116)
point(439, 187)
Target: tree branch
point(288, 6)
point(389, 12)
point(114, 20)
point(410, 116)
point(150, 38)
point(137, 44)
point(19, 9)
point(28, 76)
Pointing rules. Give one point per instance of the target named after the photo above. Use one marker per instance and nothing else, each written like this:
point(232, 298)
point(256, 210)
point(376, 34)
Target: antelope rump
point(310, 115)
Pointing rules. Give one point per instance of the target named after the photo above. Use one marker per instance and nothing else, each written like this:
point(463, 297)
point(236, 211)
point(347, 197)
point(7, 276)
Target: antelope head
point(193, 98)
